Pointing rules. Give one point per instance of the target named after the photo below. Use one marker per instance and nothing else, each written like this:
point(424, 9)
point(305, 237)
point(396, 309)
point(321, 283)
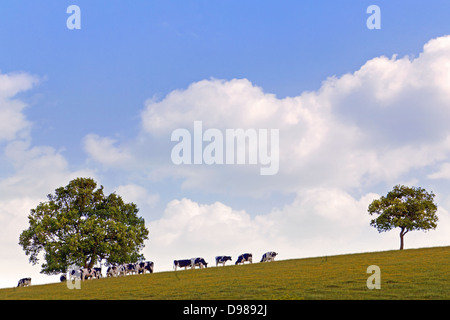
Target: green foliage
point(405, 208)
point(80, 225)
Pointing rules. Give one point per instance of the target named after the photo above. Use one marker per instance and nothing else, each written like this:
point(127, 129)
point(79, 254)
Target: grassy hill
point(408, 274)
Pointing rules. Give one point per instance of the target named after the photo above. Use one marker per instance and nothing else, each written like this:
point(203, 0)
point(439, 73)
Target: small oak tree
point(405, 208)
point(79, 225)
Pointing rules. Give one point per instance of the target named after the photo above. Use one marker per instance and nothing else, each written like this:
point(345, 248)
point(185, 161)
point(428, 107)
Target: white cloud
point(442, 173)
point(37, 170)
point(375, 125)
point(12, 119)
point(216, 102)
point(137, 194)
point(103, 151)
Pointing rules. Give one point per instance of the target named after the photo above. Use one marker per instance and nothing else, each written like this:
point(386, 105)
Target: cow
point(131, 268)
point(182, 264)
point(222, 259)
point(245, 257)
point(143, 266)
point(122, 270)
point(87, 273)
point(112, 271)
point(24, 282)
point(198, 262)
point(98, 273)
point(63, 278)
point(268, 256)
point(75, 274)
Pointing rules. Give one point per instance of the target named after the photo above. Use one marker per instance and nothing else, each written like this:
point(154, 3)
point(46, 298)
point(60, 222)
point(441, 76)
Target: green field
point(408, 274)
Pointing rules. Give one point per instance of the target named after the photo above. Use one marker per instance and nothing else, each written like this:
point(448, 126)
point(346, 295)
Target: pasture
point(408, 274)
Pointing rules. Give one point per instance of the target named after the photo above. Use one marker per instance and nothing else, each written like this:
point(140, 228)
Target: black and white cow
point(268, 256)
point(98, 273)
point(24, 282)
point(122, 270)
point(131, 268)
point(198, 262)
point(182, 263)
point(87, 273)
point(245, 257)
point(112, 271)
point(222, 259)
point(145, 266)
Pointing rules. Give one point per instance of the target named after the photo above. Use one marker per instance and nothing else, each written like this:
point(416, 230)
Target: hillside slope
point(408, 274)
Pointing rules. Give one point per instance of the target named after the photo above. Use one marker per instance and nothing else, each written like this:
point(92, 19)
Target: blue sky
point(86, 99)
point(126, 53)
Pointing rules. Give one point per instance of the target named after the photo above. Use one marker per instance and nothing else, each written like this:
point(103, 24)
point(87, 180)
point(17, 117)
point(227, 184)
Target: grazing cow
point(198, 262)
point(268, 256)
point(181, 264)
point(98, 273)
point(122, 270)
point(143, 266)
point(131, 268)
point(87, 273)
point(222, 259)
point(112, 271)
point(24, 282)
point(245, 257)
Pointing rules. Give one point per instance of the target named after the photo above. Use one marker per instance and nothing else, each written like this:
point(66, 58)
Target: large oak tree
point(79, 225)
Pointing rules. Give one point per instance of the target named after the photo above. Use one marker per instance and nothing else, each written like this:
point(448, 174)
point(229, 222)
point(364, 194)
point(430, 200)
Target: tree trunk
point(402, 234)
point(401, 241)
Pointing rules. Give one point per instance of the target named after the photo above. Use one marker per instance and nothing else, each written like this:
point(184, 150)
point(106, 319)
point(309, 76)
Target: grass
point(408, 274)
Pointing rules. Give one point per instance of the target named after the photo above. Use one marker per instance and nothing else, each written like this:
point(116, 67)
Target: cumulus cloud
point(103, 151)
point(442, 173)
point(12, 119)
point(217, 102)
point(374, 125)
point(137, 194)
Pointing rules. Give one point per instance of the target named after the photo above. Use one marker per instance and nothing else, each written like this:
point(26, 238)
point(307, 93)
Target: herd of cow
point(142, 267)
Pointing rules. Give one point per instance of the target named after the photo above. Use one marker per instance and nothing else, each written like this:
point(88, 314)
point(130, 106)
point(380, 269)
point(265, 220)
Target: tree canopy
point(79, 225)
point(407, 208)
